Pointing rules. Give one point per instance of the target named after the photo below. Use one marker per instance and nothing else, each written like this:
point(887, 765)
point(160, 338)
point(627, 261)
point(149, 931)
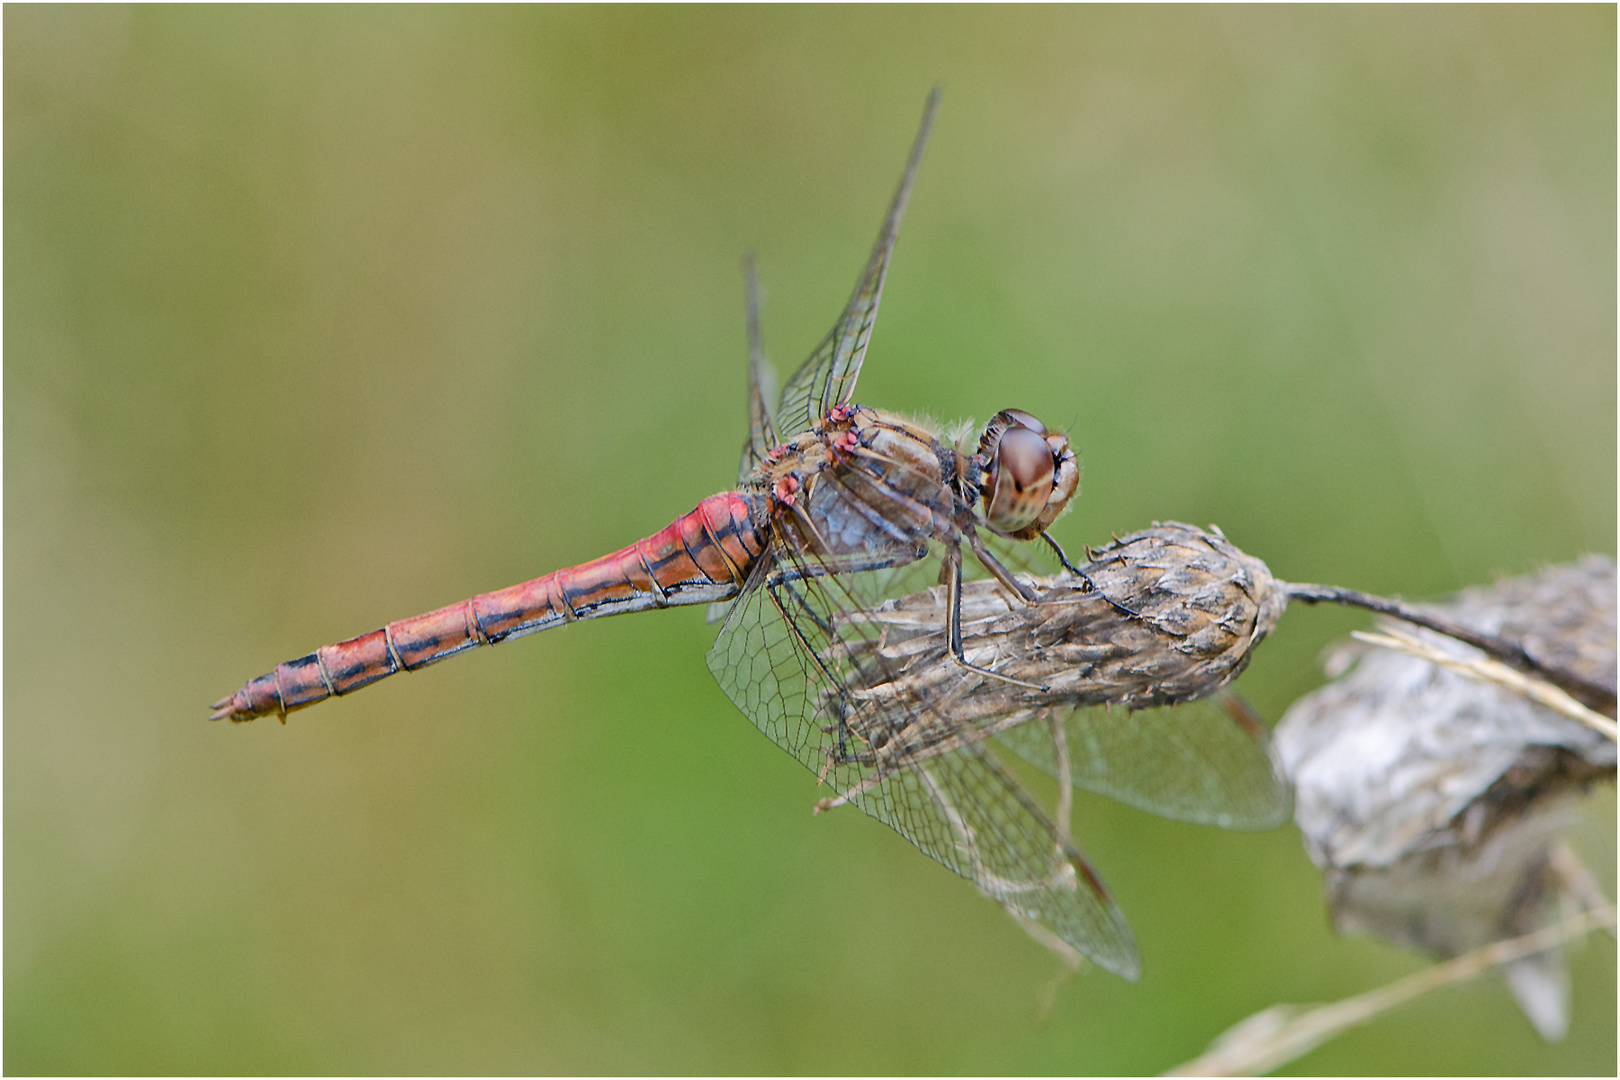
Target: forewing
point(1207, 761)
point(794, 655)
point(761, 384)
point(828, 377)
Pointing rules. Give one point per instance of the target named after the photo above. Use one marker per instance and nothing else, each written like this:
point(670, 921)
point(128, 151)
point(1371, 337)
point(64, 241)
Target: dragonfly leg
point(953, 570)
point(1092, 585)
point(1029, 595)
point(994, 565)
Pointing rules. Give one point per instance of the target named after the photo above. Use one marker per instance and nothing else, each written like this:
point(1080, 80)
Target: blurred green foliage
point(316, 318)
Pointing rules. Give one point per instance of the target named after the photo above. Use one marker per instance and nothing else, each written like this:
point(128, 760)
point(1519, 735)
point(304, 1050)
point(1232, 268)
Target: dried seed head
point(1073, 684)
point(1201, 607)
point(1198, 605)
point(1430, 799)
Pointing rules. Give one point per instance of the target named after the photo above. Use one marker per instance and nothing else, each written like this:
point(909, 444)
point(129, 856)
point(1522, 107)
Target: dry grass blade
point(1572, 673)
point(1492, 671)
point(1282, 1033)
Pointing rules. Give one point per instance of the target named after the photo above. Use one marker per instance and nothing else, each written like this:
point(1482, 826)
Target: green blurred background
point(316, 318)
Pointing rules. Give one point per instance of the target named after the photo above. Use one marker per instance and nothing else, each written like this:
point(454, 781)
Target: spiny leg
point(953, 569)
point(1092, 585)
point(996, 568)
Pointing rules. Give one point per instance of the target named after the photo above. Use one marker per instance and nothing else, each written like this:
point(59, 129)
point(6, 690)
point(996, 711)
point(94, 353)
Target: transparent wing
point(1206, 761)
point(998, 837)
point(828, 377)
point(761, 384)
point(801, 655)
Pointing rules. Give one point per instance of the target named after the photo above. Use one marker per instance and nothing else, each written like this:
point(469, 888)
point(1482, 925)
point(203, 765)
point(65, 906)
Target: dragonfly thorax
point(1025, 474)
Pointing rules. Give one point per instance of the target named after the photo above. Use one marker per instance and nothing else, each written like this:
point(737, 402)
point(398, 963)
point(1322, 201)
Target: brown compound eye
point(1021, 475)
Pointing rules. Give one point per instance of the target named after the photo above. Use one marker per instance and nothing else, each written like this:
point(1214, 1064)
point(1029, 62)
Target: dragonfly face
point(1026, 475)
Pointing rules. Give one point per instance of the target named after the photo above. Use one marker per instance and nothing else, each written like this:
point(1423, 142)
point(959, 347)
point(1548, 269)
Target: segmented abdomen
point(700, 557)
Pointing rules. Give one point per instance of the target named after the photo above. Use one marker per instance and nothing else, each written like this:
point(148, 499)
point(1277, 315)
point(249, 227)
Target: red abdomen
point(698, 558)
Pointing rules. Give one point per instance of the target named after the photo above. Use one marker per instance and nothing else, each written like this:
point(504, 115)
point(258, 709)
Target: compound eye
point(1026, 420)
point(1021, 478)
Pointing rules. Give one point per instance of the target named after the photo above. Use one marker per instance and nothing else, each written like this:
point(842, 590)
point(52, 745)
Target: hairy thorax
point(861, 483)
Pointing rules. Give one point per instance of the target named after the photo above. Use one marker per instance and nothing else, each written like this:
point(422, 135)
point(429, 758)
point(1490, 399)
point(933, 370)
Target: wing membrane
point(1193, 762)
point(799, 653)
point(761, 385)
point(828, 377)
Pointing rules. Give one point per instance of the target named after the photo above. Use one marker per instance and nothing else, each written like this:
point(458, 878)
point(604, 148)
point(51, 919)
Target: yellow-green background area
point(320, 318)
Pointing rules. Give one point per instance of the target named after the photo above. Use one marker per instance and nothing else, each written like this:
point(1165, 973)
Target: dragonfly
point(839, 510)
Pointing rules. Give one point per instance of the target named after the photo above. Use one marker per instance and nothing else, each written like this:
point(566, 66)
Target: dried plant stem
point(1595, 696)
point(1073, 961)
point(1491, 671)
point(1282, 1033)
point(1578, 881)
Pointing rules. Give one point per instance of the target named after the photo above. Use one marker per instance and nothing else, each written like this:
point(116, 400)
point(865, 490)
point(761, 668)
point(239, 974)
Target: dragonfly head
point(1026, 474)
